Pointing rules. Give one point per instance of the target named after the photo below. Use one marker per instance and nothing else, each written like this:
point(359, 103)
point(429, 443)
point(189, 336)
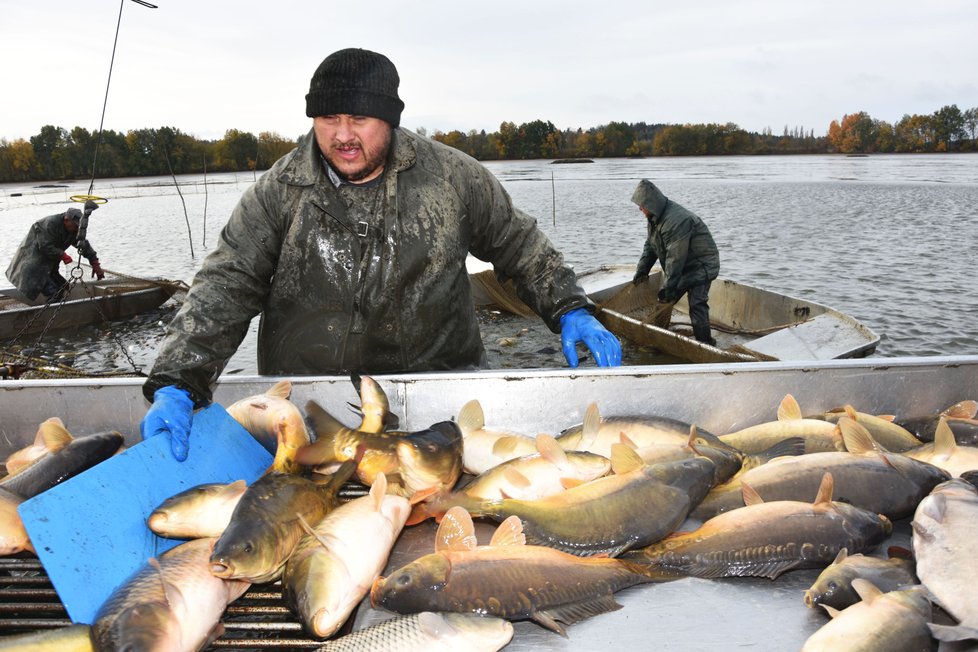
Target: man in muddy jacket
point(352, 248)
point(34, 268)
point(690, 261)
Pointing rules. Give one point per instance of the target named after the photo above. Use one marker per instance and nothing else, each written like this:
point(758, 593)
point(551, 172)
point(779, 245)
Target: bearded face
point(355, 146)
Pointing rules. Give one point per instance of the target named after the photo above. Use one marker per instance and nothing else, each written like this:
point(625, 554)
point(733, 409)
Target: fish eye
point(403, 579)
point(247, 548)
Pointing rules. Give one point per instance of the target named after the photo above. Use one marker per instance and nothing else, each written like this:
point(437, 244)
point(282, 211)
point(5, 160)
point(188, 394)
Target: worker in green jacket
point(679, 239)
point(352, 249)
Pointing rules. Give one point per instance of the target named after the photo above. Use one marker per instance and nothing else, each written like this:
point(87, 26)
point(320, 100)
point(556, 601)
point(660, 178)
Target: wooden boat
point(717, 397)
point(748, 323)
point(88, 302)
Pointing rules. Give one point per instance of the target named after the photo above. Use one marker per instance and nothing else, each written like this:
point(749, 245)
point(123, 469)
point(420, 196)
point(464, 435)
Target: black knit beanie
point(355, 82)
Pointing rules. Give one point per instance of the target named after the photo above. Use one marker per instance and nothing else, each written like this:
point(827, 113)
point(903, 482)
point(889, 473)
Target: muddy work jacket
point(40, 253)
point(387, 293)
point(682, 242)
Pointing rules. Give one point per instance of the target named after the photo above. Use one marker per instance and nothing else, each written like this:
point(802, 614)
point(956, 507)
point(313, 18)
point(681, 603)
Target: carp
point(13, 535)
point(946, 453)
point(485, 448)
point(636, 505)
point(945, 532)
point(51, 437)
point(275, 422)
point(819, 435)
point(80, 455)
point(334, 565)
point(71, 638)
point(428, 631)
point(960, 418)
point(506, 579)
point(882, 482)
point(266, 523)
point(892, 436)
point(833, 587)
point(895, 621)
point(765, 539)
point(201, 511)
point(172, 603)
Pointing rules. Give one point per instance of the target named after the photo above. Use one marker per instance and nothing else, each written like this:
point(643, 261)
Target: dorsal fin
point(456, 531)
point(624, 459)
point(851, 412)
point(471, 417)
point(825, 489)
point(867, 590)
point(281, 389)
point(857, 438)
point(691, 441)
point(944, 442)
point(509, 533)
point(53, 435)
point(789, 409)
point(962, 410)
point(550, 450)
point(590, 427)
point(841, 557)
point(751, 497)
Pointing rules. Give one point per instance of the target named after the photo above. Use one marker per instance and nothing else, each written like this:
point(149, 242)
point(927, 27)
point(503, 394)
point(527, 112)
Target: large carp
point(51, 436)
point(819, 435)
point(275, 422)
point(833, 586)
point(173, 603)
point(80, 455)
point(765, 539)
point(886, 483)
point(506, 578)
point(201, 511)
point(945, 541)
point(267, 523)
point(632, 507)
point(335, 563)
point(891, 436)
point(485, 448)
point(895, 621)
point(946, 453)
point(428, 632)
point(960, 418)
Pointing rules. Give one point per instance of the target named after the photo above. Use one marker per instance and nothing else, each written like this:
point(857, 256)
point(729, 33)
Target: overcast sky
point(205, 66)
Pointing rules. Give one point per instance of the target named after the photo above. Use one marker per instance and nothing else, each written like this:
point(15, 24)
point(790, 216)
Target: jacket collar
point(306, 167)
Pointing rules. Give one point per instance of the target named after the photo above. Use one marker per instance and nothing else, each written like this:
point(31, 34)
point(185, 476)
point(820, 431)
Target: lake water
point(888, 239)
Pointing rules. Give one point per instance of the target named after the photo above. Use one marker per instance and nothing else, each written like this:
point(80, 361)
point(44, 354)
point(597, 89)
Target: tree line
point(57, 154)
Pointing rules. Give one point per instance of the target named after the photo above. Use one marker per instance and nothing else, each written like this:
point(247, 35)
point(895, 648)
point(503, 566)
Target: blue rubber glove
point(171, 412)
point(578, 325)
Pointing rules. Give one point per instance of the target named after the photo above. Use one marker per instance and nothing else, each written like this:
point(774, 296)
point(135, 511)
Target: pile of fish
point(614, 502)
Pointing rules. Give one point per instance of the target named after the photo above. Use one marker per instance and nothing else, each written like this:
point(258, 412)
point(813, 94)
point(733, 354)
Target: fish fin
point(550, 450)
point(281, 389)
point(505, 446)
point(841, 556)
point(435, 625)
point(471, 417)
point(866, 590)
point(789, 409)
point(509, 533)
point(578, 611)
point(53, 435)
point(425, 495)
point(887, 417)
point(456, 531)
point(899, 552)
point(951, 633)
point(378, 490)
point(627, 441)
point(691, 440)
point(944, 442)
point(590, 426)
point(326, 427)
point(570, 483)
point(624, 459)
point(851, 412)
point(770, 569)
point(962, 410)
point(284, 461)
point(832, 611)
point(751, 497)
point(544, 619)
point(790, 447)
point(857, 439)
point(233, 490)
point(171, 592)
point(825, 489)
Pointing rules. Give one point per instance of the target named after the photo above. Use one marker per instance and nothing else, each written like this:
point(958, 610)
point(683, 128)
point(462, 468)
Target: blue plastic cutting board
point(90, 531)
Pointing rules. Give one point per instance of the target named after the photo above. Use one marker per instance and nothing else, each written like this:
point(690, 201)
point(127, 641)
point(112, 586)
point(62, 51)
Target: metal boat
point(686, 614)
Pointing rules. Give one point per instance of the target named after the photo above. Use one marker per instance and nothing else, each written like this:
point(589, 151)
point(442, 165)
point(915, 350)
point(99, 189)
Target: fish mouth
point(222, 569)
point(375, 590)
point(323, 624)
point(810, 600)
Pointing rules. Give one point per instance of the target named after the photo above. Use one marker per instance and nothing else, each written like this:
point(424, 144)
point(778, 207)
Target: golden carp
point(201, 511)
point(506, 578)
point(891, 436)
point(484, 447)
point(267, 523)
point(946, 453)
point(51, 437)
point(833, 587)
point(275, 422)
point(72, 638)
point(636, 505)
point(335, 563)
point(413, 462)
point(374, 410)
point(13, 536)
point(767, 539)
point(819, 435)
point(886, 483)
point(173, 603)
point(81, 454)
point(428, 632)
point(945, 532)
point(896, 621)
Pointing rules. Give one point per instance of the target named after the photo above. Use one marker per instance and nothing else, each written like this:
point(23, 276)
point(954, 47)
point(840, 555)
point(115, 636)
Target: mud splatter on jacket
point(391, 295)
point(40, 254)
point(678, 238)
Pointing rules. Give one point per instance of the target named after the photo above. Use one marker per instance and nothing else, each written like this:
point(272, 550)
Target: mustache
point(355, 142)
